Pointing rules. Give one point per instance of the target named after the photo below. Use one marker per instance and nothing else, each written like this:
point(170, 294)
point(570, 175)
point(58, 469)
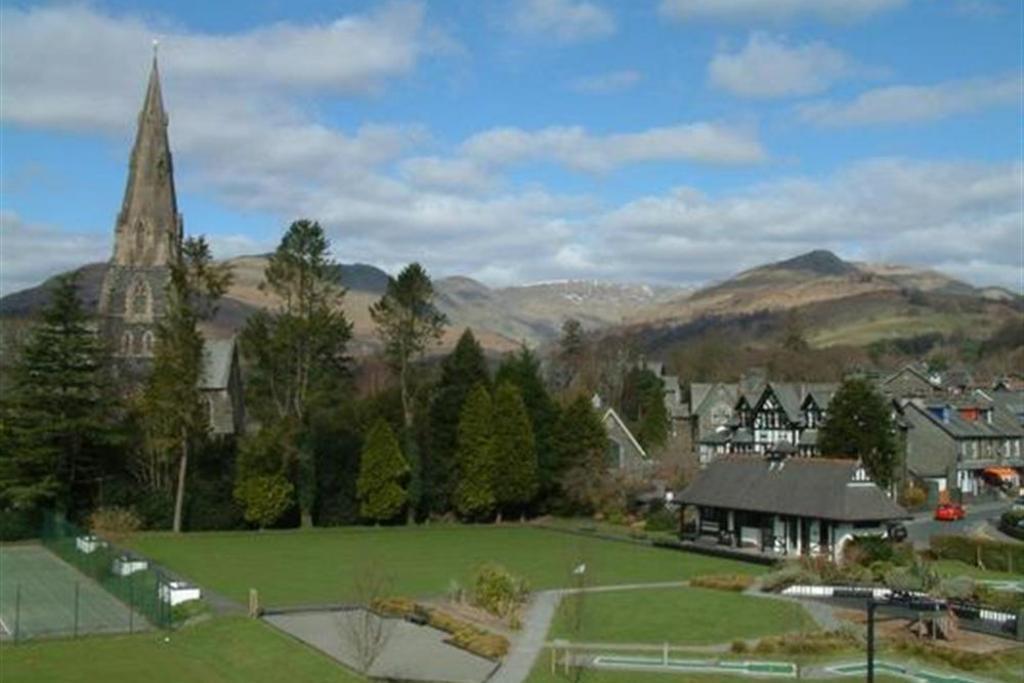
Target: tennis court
point(41, 595)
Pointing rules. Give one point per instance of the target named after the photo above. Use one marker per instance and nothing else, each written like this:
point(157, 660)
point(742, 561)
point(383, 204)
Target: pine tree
point(859, 425)
point(461, 370)
point(297, 352)
point(59, 420)
point(382, 469)
point(474, 492)
point(581, 445)
point(515, 455)
point(523, 370)
point(408, 321)
point(175, 416)
point(643, 406)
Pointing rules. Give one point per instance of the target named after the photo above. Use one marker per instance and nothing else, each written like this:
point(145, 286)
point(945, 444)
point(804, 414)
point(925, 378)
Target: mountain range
point(838, 302)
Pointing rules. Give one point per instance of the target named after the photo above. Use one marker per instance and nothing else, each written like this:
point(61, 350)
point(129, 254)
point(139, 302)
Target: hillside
point(836, 301)
point(501, 318)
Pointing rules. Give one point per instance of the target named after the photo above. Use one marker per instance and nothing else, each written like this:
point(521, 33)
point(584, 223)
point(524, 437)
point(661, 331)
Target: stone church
point(147, 239)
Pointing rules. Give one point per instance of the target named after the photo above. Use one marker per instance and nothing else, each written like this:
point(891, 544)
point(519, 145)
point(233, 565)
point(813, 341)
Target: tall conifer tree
point(474, 491)
point(59, 419)
point(515, 455)
point(461, 370)
point(382, 470)
point(297, 352)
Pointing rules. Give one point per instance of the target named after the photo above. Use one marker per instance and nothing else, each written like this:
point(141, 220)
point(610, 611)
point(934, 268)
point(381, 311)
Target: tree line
point(448, 439)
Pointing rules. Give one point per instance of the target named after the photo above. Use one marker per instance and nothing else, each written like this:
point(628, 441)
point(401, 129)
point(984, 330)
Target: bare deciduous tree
point(364, 630)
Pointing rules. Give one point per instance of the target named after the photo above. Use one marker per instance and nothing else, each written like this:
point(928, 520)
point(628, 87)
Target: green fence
point(139, 590)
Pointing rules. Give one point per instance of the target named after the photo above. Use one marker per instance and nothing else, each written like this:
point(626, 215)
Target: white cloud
point(902, 211)
point(31, 253)
point(447, 174)
point(913, 103)
point(840, 11)
point(74, 68)
point(566, 21)
point(768, 67)
point(608, 82)
point(575, 148)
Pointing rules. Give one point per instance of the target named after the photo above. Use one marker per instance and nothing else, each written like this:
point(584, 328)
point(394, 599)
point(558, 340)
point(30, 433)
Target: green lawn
point(542, 672)
point(306, 567)
point(680, 616)
point(230, 650)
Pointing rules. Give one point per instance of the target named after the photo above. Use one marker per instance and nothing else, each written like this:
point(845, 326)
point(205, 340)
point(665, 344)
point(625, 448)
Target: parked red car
point(949, 512)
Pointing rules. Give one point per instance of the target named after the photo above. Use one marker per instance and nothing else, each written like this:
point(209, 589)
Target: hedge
point(980, 552)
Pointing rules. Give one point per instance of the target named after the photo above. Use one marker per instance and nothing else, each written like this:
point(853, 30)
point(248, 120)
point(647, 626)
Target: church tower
point(147, 237)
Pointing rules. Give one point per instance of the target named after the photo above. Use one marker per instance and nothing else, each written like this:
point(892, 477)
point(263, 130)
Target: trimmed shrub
point(497, 590)
point(114, 523)
point(724, 582)
point(394, 606)
point(739, 647)
point(1012, 523)
point(661, 520)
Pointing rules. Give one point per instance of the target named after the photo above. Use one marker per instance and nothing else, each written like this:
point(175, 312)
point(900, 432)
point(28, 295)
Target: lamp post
point(872, 604)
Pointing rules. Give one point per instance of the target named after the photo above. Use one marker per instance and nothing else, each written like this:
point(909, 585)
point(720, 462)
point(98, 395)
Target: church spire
point(148, 232)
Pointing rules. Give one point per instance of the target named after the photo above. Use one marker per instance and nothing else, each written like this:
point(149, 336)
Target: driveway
point(982, 518)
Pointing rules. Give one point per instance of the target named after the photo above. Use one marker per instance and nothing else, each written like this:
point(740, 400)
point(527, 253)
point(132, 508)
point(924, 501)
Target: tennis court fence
point(133, 581)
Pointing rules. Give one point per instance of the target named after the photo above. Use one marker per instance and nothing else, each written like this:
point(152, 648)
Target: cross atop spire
point(149, 227)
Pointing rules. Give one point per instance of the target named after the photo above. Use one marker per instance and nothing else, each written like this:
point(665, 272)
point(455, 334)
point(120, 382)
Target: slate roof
point(807, 487)
point(957, 426)
point(218, 355)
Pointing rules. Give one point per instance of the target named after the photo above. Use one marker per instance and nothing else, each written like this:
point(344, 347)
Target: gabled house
point(788, 506)
point(624, 451)
point(962, 442)
point(776, 413)
point(910, 381)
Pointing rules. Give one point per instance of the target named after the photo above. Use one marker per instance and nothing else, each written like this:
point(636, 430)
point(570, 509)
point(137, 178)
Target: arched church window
point(138, 300)
point(126, 344)
point(147, 343)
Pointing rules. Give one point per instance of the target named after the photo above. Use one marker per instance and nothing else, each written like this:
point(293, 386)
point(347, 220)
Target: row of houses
point(758, 487)
point(965, 440)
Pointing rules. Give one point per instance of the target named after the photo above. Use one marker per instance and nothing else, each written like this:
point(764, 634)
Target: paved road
point(982, 518)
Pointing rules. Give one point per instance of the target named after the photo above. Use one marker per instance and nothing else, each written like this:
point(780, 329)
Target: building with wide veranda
point(782, 506)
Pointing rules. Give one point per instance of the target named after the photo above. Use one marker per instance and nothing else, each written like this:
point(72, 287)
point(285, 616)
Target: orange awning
point(1001, 472)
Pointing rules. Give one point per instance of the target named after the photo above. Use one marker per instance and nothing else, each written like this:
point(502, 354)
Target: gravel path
point(526, 648)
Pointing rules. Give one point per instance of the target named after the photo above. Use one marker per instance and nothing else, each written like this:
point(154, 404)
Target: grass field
point(307, 567)
point(229, 650)
point(37, 597)
point(680, 616)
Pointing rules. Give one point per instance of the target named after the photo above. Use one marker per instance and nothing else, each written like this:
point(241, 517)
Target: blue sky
point(672, 141)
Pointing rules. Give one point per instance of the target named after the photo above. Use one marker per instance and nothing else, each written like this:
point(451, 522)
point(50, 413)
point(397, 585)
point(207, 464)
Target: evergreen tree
point(859, 425)
point(581, 443)
point(408, 321)
point(474, 493)
point(58, 422)
point(643, 406)
point(523, 370)
point(264, 498)
point(580, 437)
point(175, 416)
point(382, 470)
point(572, 350)
point(461, 370)
point(515, 455)
point(297, 352)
